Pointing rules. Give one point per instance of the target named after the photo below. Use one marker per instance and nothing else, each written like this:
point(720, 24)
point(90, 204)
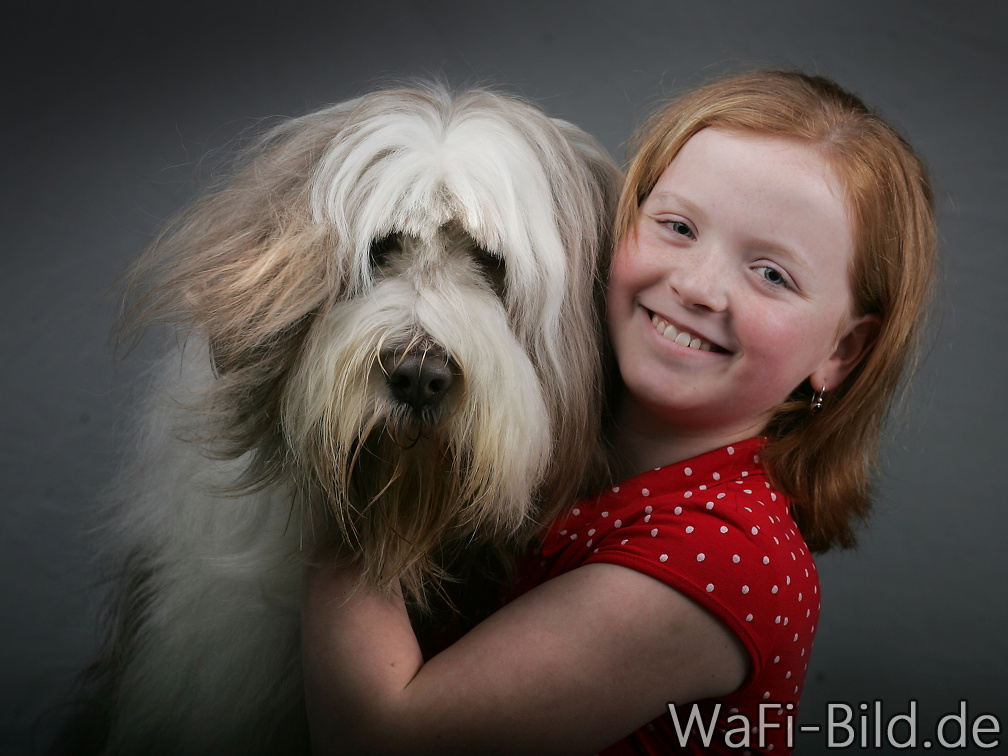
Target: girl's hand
point(570, 667)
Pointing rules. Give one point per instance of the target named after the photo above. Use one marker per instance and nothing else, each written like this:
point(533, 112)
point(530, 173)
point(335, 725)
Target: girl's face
point(732, 288)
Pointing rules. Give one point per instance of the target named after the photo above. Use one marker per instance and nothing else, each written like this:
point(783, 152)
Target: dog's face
point(400, 296)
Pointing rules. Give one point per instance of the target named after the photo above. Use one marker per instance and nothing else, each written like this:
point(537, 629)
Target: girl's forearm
point(568, 667)
point(360, 654)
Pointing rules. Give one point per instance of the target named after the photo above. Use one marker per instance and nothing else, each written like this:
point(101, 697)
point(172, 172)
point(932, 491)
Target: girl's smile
point(678, 334)
point(732, 287)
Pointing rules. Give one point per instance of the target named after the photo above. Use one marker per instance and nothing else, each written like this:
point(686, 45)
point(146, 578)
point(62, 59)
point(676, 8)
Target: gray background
point(113, 116)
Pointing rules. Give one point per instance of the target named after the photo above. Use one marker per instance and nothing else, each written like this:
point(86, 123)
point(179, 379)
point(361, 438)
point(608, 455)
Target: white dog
point(389, 340)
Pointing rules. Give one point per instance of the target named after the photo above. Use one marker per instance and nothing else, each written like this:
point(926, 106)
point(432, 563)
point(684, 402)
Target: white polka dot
point(755, 458)
point(615, 489)
point(788, 675)
point(647, 518)
point(766, 560)
point(618, 523)
point(702, 488)
point(591, 532)
point(748, 618)
point(576, 512)
point(588, 545)
point(774, 590)
point(663, 558)
point(754, 530)
point(710, 587)
point(731, 449)
point(701, 556)
point(736, 559)
point(678, 510)
point(687, 495)
point(766, 695)
point(649, 509)
point(796, 640)
point(717, 476)
point(710, 505)
point(773, 496)
point(776, 660)
point(573, 536)
point(563, 532)
point(605, 514)
point(777, 620)
point(645, 492)
point(688, 471)
point(689, 528)
point(654, 532)
point(724, 528)
point(747, 490)
point(623, 542)
point(745, 589)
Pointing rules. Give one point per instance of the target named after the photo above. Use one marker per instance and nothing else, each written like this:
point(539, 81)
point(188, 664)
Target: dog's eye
point(493, 269)
point(380, 249)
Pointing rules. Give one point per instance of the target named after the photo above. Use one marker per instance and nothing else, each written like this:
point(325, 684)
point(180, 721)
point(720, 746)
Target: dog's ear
point(585, 207)
point(247, 262)
point(245, 269)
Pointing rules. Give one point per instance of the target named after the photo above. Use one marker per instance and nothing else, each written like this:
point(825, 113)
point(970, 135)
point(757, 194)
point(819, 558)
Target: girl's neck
point(642, 439)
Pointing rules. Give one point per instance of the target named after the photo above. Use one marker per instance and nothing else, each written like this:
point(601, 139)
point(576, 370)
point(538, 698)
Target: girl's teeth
point(683, 338)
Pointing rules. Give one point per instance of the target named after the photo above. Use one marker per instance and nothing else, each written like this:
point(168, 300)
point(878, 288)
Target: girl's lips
point(681, 336)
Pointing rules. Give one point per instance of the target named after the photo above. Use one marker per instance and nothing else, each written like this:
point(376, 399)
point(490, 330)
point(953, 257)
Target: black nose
point(419, 379)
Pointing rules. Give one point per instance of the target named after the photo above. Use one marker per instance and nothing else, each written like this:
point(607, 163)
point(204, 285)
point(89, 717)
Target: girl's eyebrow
point(678, 199)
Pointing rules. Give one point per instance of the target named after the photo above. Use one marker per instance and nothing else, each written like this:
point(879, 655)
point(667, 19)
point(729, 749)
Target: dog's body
point(390, 342)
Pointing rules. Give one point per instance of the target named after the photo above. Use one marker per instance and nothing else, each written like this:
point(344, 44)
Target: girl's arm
point(569, 667)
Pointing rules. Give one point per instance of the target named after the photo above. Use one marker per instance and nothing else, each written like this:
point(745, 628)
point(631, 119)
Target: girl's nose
point(701, 282)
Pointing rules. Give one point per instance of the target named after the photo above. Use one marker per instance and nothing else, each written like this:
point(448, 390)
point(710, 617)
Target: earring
point(817, 400)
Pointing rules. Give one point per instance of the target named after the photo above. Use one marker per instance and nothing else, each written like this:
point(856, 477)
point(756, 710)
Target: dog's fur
point(389, 340)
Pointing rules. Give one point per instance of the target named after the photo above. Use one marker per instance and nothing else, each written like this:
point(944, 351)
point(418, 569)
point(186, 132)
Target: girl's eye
point(775, 277)
point(681, 228)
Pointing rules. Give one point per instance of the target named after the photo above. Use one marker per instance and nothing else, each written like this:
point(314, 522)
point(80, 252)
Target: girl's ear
point(853, 344)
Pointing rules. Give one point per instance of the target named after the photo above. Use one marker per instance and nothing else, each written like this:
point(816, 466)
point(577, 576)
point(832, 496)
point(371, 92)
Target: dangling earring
point(817, 399)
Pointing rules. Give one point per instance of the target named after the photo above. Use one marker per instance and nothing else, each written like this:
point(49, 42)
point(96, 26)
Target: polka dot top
point(713, 529)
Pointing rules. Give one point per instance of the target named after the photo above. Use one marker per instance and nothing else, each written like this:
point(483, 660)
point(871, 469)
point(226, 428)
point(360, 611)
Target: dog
point(387, 339)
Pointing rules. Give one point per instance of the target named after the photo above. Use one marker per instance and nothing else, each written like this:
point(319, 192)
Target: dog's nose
point(420, 379)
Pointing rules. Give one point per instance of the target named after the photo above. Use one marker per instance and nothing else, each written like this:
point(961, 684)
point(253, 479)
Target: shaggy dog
point(388, 338)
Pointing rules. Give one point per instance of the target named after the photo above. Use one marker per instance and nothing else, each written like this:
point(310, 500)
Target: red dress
point(713, 529)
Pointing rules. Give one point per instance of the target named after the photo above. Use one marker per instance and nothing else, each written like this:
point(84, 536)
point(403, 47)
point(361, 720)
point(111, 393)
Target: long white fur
point(212, 664)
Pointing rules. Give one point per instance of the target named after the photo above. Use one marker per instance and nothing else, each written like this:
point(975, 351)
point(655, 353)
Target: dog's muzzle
point(419, 378)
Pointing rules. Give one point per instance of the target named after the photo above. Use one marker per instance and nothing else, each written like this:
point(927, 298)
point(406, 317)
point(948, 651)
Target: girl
point(776, 254)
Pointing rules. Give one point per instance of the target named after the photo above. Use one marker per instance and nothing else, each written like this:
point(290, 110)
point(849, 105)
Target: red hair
point(824, 462)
